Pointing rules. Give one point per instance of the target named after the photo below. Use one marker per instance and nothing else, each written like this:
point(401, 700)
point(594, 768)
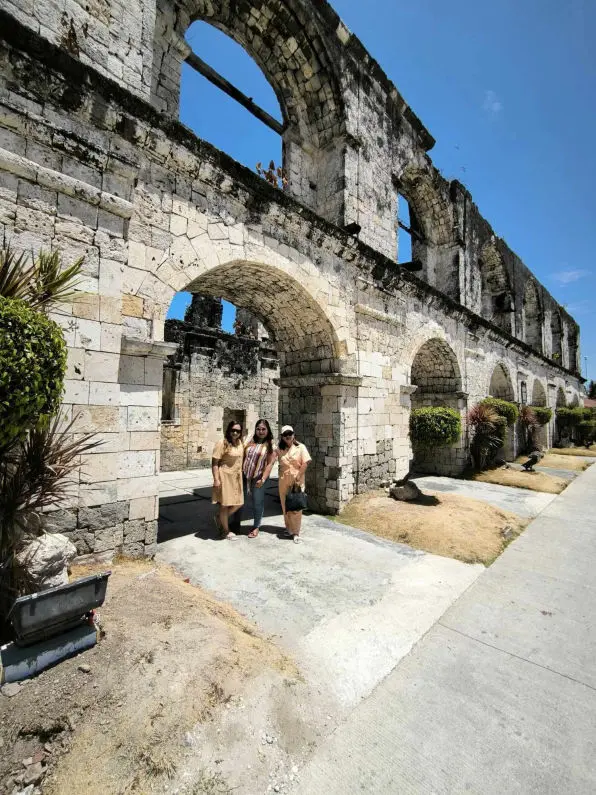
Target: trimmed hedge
point(434, 427)
point(32, 368)
point(503, 408)
point(543, 414)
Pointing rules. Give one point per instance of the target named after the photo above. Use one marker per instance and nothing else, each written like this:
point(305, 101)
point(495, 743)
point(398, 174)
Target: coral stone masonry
point(94, 162)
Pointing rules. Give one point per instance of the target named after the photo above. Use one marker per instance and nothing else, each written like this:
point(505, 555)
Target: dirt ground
point(535, 481)
point(127, 715)
point(446, 524)
point(581, 451)
point(555, 461)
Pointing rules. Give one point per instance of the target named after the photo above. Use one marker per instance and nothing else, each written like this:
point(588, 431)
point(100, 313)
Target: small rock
point(33, 775)
point(409, 491)
point(269, 739)
point(189, 740)
point(10, 689)
point(294, 768)
point(86, 669)
point(27, 761)
point(276, 788)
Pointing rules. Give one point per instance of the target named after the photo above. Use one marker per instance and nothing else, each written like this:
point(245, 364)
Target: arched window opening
point(573, 349)
point(225, 367)
point(532, 316)
point(556, 337)
point(497, 299)
point(501, 385)
point(226, 99)
point(409, 235)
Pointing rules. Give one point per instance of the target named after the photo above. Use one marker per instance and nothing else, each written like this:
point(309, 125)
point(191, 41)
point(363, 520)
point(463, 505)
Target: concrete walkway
point(523, 502)
point(500, 695)
point(347, 605)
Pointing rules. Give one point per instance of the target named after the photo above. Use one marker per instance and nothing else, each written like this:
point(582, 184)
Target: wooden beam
point(214, 77)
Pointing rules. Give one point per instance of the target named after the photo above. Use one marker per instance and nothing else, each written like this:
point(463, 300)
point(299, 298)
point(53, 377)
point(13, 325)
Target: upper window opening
point(213, 114)
point(404, 230)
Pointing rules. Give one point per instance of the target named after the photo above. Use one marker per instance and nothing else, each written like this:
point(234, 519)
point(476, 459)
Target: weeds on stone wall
point(504, 408)
point(274, 175)
point(543, 414)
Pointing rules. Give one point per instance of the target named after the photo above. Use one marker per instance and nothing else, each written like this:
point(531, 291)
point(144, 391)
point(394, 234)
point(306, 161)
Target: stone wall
point(89, 165)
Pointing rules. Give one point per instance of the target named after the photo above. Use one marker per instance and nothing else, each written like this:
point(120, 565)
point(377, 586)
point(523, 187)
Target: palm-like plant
point(37, 464)
point(487, 426)
point(40, 281)
point(529, 423)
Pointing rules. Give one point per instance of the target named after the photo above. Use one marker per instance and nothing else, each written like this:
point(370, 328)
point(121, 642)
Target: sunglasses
point(236, 430)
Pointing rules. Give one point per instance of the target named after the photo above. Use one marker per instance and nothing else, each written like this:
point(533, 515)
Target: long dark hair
point(268, 438)
point(228, 433)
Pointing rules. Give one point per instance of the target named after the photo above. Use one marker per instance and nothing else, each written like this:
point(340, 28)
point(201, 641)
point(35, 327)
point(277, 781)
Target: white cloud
point(566, 277)
point(492, 103)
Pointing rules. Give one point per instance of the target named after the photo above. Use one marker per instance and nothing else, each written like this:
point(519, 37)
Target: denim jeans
point(257, 497)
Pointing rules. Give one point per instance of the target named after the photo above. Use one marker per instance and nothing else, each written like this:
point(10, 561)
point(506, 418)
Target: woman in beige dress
point(226, 465)
point(293, 458)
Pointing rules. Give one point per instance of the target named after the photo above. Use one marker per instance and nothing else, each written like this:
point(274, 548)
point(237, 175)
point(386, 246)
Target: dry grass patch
point(446, 524)
point(580, 451)
point(555, 461)
point(173, 657)
point(534, 481)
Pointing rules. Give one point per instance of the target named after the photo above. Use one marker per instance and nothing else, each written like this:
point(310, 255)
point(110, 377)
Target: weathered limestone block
point(104, 516)
point(108, 539)
point(409, 491)
point(45, 560)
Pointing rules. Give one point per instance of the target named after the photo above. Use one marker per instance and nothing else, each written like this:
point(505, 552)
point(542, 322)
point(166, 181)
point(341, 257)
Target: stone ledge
point(319, 379)
point(135, 347)
point(69, 186)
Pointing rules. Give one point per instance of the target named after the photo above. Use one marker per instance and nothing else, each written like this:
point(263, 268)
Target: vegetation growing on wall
point(434, 427)
point(543, 414)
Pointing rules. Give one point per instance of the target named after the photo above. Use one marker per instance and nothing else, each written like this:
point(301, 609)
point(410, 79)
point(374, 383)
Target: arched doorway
point(501, 386)
point(436, 375)
point(313, 393)
point(541, 434)
point(562, 434)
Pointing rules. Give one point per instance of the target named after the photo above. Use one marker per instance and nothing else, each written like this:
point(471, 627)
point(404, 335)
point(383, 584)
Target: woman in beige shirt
point(226, 465)
point(293, 458)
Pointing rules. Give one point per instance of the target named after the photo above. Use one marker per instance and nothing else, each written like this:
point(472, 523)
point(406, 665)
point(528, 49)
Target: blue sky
point(507, 89)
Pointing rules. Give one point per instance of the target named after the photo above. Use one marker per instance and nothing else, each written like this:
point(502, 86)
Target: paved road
point(500, 695)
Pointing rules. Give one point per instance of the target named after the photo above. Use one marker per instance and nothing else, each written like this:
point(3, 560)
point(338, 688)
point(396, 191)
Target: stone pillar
point(323, 412)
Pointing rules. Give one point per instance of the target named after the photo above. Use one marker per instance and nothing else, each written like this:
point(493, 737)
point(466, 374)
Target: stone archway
point(562, 436)
point(435, 373)
point(541, 434)
point(313, 392)
point(431, 223)
point(501, 386)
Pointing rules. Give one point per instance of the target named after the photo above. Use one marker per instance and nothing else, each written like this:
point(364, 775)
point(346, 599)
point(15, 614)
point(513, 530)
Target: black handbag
point(296, 499)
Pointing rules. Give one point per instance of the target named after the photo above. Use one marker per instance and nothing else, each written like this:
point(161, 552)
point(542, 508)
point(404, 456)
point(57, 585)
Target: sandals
point(253, 533)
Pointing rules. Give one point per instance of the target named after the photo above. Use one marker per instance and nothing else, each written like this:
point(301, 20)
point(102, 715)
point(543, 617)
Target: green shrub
point(586, 432)
point(504, 408)
point(434, 427)
point(32, 367)
point(543, 414)
point(569, 418)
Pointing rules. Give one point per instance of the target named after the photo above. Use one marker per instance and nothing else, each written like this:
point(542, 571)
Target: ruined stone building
point(94, 161)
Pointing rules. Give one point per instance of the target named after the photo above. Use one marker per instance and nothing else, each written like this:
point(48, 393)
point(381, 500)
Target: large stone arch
point(532, 316)
point(310, 353)
point(497, 295)
point(572, 349)
point(436, 374)
point(501, 383)
point(288, 45)
point(501, 386)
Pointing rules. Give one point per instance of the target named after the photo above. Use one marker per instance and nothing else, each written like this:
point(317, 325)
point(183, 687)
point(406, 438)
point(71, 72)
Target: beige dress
point(290, 460)
point(230, 474)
